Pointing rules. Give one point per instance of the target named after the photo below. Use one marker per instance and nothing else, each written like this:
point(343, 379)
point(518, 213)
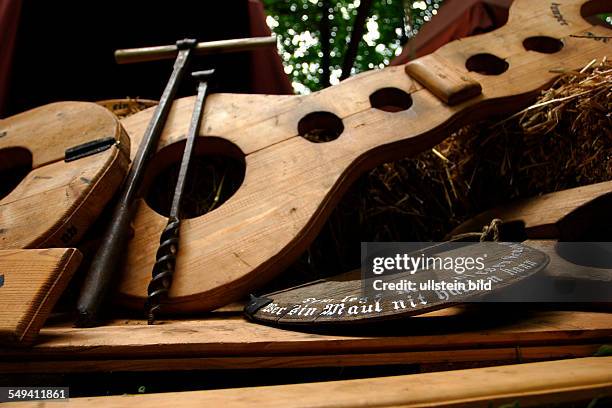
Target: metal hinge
point(89, 148)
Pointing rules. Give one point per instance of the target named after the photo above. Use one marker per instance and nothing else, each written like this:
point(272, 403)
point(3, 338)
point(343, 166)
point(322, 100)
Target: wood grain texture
point(439, 77)
point(33, 280)
point(534, 384)
point(561, 215)
point(291, 185)
point(473, 357)
point(488, 335)
point(57, 201)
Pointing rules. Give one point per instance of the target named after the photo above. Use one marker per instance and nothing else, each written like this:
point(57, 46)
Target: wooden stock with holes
point(563, 215)
point(291, 184)
point(59, 199)
point(566, 215)
point(78, 154)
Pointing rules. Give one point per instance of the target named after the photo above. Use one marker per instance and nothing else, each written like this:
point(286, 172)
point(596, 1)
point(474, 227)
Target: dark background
point(64, 49)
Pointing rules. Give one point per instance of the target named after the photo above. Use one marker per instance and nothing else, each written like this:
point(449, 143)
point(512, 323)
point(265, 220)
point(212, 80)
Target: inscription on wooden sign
point(348, 298)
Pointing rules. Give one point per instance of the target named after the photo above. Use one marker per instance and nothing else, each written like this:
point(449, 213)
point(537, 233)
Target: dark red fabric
point(9, 19)
point(455, 19)
point(267, 72)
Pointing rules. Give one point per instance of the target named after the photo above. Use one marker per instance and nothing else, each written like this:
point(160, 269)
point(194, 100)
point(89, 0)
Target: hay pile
point(562, 141)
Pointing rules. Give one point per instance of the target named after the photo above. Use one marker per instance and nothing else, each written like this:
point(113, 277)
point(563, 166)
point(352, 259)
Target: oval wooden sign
point(347, 299)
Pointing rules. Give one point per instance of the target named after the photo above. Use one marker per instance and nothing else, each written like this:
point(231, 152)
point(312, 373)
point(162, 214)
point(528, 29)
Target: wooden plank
point(474, 356)
point(439, 77)
point(233, 342)
point(534, 384)
point(32, 281)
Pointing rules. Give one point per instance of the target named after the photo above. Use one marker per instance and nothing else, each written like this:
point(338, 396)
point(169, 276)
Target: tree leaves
point(296, 23)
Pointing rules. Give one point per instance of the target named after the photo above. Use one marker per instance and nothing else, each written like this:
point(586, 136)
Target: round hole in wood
point(597, 12)
point(391, 100)
point(15, 164)
point(215, 173)
point(591, 254)
point(543, 44)
point(486, 64)
point(320, 127)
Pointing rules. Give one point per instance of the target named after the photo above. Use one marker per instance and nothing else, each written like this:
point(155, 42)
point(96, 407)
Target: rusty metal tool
point(165, 258)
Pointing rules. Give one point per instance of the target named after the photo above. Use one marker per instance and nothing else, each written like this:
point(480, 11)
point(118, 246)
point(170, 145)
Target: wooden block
point(32, 281)
point(526, 385)
point(443, 80)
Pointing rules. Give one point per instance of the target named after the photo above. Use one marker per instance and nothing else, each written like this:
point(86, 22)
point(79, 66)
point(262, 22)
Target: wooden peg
point(444, 81)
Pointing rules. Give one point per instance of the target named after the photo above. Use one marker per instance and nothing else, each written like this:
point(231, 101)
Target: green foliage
point(297, 24)
point(606, 17)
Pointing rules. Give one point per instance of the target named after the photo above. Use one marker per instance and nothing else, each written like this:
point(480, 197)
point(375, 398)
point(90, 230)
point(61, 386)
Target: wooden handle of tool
point(132, 55)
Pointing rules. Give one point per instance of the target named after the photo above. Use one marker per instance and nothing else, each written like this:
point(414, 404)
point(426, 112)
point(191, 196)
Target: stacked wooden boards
point(227, 341)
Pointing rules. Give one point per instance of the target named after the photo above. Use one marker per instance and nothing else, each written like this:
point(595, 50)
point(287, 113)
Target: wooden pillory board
point(291, 184)
point(264, 131)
